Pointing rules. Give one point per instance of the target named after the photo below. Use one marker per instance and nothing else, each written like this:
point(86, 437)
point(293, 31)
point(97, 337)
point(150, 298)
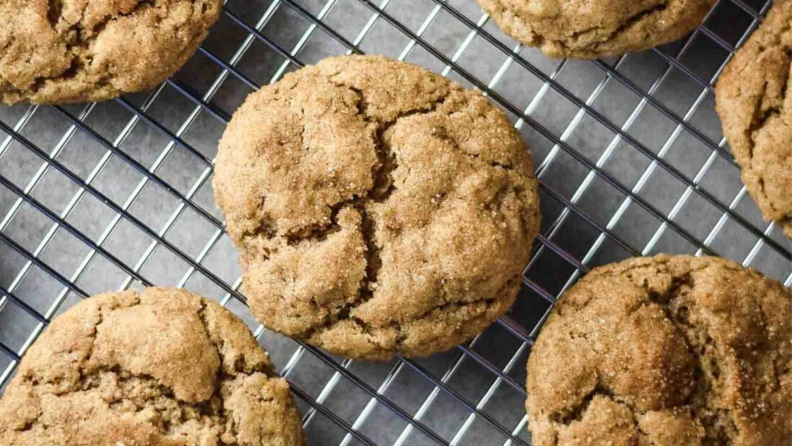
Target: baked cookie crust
point(92, 50)
point(378, 208)
point(665, 351)
point(596, 28)
point(753, 98)
point(160, 367)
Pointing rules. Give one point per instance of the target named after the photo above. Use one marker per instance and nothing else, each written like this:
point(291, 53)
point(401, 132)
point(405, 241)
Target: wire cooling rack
point(629, 152)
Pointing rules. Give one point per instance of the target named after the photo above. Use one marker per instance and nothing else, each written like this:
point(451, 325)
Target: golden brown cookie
point(754, 101)
point(379, 208)
point(665, 351)
point(163, 367)
point(596, 28)
point(92, 50)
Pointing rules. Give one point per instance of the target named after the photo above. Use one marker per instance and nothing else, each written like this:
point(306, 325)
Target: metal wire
point(502, 369)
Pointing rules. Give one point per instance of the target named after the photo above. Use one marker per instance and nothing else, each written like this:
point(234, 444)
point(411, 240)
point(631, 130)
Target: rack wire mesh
point(629, 152)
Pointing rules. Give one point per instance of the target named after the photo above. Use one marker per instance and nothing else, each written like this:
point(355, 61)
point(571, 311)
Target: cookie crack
point(629, 21)
point(54, 10)
point(632, 20)
point(318, 233)
point(77, 43)
point(761, 117)
point(92, 347)
point(758, 123)
point(576, 412)
point(540, 39)
point(345, 313)
point(102, 24)
point(219, 343)
point(370, 329)
point(382, 180)
point(701, 395)
point(700, 398)
point(373, 259)
point(171, 411)
point(314, 233)
point(383, 186)
point(476, 157)
point(776, 374)
point(209, 411)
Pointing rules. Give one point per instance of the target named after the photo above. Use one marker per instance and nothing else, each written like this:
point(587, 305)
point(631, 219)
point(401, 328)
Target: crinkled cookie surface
point(665, 351)
point(160, 368)
point(91, 50)
point(378, 207)
point(596, 28)
point(754, 101)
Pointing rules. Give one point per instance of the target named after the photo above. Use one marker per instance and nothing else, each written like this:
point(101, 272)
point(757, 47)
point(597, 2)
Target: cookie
point(596, 28)
point(163, 367)
point(667, 350)
point(753, 98)
point(91, 50)
point(378, 208)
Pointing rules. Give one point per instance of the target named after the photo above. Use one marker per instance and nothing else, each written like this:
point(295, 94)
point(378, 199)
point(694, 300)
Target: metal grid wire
point(629, 153)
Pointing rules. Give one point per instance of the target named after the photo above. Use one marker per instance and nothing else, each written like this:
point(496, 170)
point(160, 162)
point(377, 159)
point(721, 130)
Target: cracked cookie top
point(163, 367)
point(754, 101)
point(378, 208)
point(596, 28)
point(90, 50)
point(665, 351)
